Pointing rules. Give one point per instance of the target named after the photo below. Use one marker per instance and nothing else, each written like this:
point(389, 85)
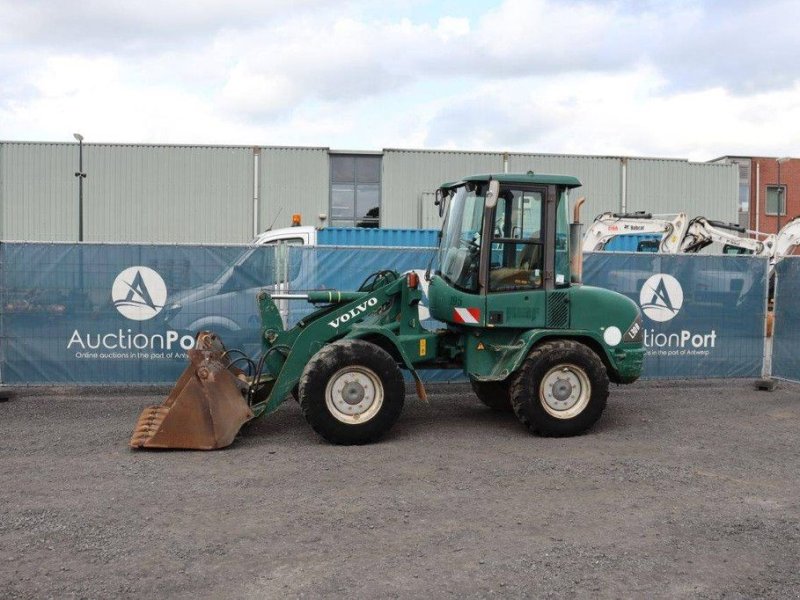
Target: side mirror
point(492, 193)
point(440, 201)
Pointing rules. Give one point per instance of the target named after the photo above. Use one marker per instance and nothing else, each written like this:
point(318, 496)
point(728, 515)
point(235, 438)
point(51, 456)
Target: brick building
point(769, 191)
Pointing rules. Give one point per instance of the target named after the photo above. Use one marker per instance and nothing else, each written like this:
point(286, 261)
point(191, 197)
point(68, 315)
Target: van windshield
point(255, 267)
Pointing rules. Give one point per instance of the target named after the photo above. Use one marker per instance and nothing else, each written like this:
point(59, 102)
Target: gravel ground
point(682, 490)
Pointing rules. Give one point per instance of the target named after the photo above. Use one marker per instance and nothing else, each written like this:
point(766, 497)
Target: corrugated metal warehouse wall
point(669, 186)
point(130, 194)
point(654, 185)
point(167, 194)
point(409, 177)
point(292, 180)
point(39, 191)
point(715, 190)
point(601, 177)
point(207, 194)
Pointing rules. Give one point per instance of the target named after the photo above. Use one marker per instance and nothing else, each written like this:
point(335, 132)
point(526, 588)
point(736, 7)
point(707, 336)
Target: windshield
point(459, 252)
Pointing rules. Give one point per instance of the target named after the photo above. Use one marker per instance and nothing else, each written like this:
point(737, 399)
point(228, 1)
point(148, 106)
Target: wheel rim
point(354, 395)
point(565, 391)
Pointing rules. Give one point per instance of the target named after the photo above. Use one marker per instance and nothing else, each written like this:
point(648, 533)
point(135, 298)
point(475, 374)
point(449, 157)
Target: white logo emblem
point(661, 297)
point(139, 293)
point(612, 336)
point(353, 312)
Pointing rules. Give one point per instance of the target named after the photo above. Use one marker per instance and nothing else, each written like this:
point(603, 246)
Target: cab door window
point(562, 241)
point(517, 255)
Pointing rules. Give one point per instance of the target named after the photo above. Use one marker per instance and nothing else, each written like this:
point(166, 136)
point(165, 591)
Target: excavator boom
point(607, 226)
point(703, 232)
point(787, 238)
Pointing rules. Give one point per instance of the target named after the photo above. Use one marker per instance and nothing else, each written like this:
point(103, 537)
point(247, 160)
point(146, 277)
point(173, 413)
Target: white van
point(228, 304)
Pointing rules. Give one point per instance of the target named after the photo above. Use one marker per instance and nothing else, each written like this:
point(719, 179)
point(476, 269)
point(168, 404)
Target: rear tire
point(494, 394)
point(560, 390)
point(351, 392)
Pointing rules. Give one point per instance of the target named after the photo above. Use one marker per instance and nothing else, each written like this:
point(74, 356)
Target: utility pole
point(81, 176)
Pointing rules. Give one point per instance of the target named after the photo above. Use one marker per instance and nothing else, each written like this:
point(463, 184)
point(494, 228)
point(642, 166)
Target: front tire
point(351, 392)
point(560, 390)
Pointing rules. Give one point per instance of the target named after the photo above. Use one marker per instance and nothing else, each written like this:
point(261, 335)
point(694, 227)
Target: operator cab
point(512, 218)
point(505, 234)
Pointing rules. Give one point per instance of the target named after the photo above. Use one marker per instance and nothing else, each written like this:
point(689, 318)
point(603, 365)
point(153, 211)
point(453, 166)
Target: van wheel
point(351, 392)
point(560, 390)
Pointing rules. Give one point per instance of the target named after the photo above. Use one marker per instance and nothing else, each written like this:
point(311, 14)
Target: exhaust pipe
point(576, 242)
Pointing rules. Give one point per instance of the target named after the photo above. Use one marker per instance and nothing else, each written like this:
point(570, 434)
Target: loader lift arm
point(387, 308)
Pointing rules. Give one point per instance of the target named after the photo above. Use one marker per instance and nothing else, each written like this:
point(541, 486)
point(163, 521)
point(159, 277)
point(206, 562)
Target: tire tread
point(525, 401)
point(327, 361)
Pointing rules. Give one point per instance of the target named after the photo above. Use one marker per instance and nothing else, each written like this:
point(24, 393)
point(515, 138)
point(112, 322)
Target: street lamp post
point(81, 176)
point(781, 199)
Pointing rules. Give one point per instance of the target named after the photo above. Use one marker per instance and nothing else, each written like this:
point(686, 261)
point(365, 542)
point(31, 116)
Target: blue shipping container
point(363, 236)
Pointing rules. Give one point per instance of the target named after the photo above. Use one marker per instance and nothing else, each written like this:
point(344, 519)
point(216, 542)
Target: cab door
point(515, 290)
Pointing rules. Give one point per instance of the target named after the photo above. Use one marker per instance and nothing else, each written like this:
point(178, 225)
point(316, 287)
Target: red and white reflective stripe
point(467, 315)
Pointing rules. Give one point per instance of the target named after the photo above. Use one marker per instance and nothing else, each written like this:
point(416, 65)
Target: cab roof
point(529, 178)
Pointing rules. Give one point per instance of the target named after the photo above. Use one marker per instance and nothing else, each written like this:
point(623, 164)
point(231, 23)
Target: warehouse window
point(772, 199)
point(744, 185)
point(355, 190)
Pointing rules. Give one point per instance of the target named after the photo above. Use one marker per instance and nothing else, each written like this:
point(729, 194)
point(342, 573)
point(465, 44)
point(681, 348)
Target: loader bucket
point(205, 409)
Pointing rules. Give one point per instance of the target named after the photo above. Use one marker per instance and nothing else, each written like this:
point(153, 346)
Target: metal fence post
point(767, 383)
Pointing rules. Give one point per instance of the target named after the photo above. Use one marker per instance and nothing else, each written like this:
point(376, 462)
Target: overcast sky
point(684, 78)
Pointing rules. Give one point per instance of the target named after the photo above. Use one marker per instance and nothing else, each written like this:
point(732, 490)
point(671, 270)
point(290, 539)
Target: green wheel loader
point(507, 285)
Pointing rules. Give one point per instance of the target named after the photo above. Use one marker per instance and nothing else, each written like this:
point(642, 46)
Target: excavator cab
point(650, 246)
point(730, 250)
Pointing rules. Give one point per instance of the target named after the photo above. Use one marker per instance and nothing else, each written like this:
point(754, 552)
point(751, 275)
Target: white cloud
point(627, 114)
point(686, 78)
point(451, 28)
point(95, 97)
point(136, 27)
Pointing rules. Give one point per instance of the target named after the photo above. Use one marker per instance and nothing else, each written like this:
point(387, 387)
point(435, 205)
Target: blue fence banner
point(703, 315)
point(114, 313)
point(100, 313)
point(786, 336)
point(118, 313)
